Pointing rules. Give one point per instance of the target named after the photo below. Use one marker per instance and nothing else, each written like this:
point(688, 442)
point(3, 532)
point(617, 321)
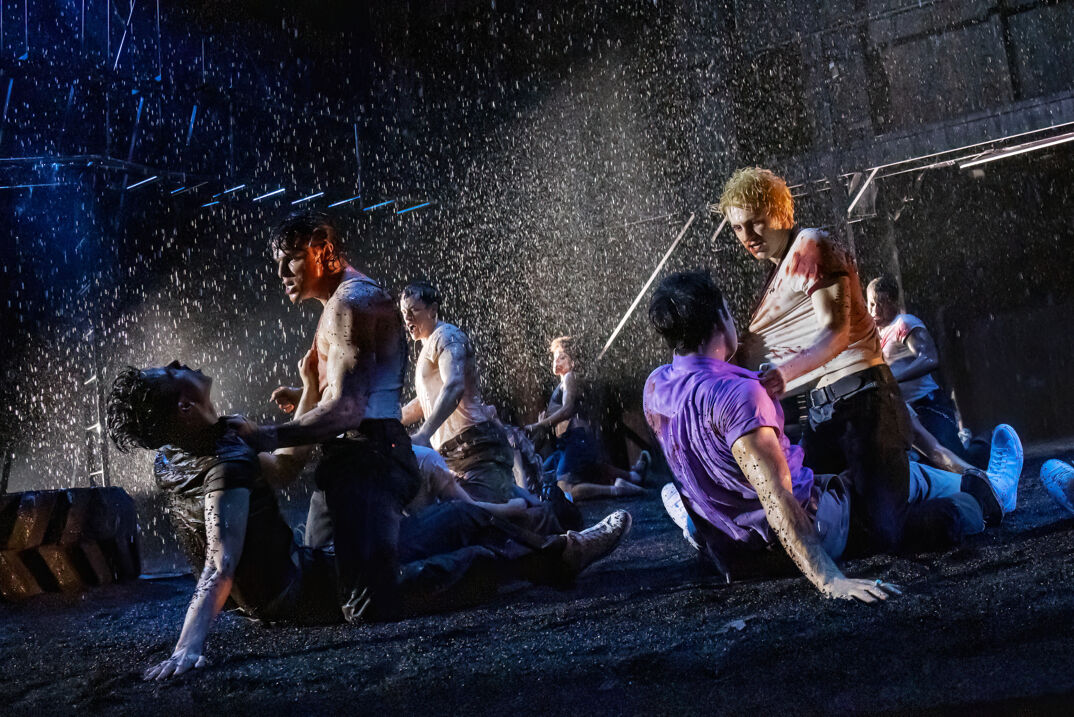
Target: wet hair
point(569, 345)
point(425, 292)
point(684, 309)
point(140, 411)
point(298, 229)
point(885, 285)
point(761, 190)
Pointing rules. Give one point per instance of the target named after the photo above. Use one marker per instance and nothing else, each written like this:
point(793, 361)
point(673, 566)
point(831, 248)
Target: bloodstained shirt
point(893, 341)
point(784, 323)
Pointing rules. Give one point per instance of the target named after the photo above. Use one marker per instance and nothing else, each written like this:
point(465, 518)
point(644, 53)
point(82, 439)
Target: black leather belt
point(476, 432)
point(847, 386)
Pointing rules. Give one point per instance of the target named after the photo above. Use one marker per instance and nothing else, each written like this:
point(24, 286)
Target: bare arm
point(283, 466)
point(225, 528)
point(926, 444)
point(925, 357)
point(761, 459)
point(452, 366)
point(831, 305)
point(569, 407)
point(412, 413)
point(348, 327)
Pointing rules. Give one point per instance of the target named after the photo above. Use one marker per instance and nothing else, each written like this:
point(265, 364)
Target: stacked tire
point(66, 541)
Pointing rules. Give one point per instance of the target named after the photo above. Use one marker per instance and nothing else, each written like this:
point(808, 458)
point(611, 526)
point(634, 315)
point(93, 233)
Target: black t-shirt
point(268, 568)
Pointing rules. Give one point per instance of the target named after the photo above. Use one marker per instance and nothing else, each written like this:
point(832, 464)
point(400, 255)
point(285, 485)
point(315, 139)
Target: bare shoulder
point(356, 302)
point(359, 295)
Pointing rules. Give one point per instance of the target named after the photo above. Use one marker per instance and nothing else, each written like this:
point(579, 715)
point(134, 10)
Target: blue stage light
point(410, 209)
point(306, 199)
point(270, 194)
point(144, 181)
point(344, 201)
point(378, 205)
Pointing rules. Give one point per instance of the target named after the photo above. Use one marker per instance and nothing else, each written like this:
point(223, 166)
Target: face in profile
point(419, 317)
point(191, 389)
point(764, 237)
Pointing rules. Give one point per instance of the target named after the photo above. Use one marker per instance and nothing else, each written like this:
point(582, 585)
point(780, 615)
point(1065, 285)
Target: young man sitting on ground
point(742, 484)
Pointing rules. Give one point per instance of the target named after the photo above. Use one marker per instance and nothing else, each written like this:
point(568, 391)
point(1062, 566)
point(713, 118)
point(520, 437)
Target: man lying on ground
point(228, 521)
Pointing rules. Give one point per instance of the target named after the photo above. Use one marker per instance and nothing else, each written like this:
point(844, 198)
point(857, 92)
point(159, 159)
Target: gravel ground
point(985, 628)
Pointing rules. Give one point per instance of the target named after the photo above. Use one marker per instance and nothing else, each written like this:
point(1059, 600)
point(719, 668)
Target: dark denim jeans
point(362, 485)
point(866, 437)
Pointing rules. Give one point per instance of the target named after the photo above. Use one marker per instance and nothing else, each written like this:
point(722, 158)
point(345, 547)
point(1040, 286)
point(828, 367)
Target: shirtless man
point(810, 331)
point(220, 500)
point(456, 422)
point(367, 471)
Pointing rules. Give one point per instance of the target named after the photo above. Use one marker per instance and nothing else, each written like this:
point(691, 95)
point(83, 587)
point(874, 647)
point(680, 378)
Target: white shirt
point(429, 381)
point(786, 323)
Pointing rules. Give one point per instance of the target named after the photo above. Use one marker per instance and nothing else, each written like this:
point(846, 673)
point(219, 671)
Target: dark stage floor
point(988, 627)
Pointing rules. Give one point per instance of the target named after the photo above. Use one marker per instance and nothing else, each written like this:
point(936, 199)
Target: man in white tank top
point(455, 421)
point(367, 471)
point(811, 332)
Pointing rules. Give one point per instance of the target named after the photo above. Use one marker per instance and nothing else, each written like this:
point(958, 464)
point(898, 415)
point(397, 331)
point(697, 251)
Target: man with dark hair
point(457, 423)
point(231, 529)
point(367, 472)
point(741, 482)
point(225, 514)
point(810, 333)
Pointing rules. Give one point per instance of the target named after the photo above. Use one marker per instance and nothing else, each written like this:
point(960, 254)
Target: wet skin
point(881, 307)
point(420, 318)
point(764, 237)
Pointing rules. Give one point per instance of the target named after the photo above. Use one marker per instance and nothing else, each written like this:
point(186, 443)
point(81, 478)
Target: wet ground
point(986, 628)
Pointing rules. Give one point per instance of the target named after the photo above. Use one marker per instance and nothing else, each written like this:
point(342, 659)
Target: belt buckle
point(822, 393)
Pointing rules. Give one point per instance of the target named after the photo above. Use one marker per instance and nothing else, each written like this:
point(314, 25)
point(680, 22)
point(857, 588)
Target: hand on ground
point(180, 662)
point(867, 591)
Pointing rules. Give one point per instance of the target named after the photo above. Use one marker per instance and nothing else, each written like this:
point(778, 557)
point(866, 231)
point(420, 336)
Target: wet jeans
point(484, 460)
point(363, 482)
point(867, 435)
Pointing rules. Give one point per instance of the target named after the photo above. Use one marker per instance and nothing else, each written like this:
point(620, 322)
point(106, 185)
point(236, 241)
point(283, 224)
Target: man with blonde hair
point(810, 333)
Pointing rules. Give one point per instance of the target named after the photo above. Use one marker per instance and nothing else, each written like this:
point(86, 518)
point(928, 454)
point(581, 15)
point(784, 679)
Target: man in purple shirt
point(741, 482)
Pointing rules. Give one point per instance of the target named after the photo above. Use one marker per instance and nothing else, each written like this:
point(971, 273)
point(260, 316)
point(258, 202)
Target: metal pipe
point(652, 278)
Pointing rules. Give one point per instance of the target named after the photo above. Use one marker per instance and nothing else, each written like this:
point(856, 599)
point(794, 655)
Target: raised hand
point(286, 398)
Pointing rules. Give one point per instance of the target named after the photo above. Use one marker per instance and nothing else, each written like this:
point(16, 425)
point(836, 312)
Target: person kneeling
point(741, 482)
point(224, 509)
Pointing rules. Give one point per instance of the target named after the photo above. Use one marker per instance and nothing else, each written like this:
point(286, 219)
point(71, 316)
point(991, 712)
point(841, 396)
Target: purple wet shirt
point(698, 407)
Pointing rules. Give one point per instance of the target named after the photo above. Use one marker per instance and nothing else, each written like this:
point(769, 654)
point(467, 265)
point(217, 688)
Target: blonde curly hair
point(758, 189)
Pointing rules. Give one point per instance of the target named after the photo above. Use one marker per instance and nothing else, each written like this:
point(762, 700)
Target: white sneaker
point(1058, 480)
point(669, 494)
point(590, 545)
point(1005, 465)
